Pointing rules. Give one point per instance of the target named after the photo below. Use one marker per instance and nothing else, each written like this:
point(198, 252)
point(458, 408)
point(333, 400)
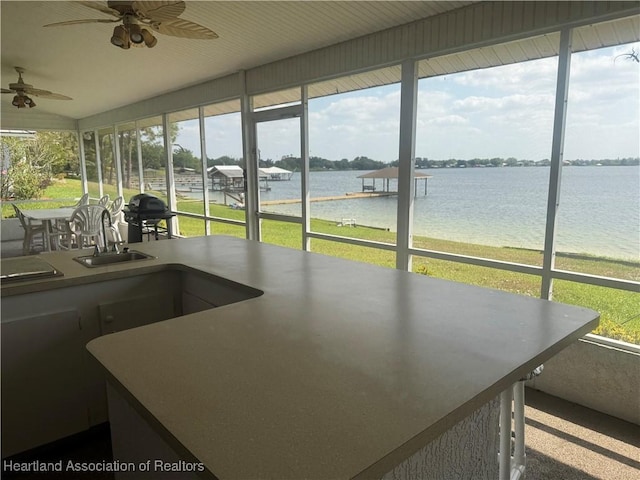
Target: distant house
point(386, 175)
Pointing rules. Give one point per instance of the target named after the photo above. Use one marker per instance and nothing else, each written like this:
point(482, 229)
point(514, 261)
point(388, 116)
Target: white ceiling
point(80, 62)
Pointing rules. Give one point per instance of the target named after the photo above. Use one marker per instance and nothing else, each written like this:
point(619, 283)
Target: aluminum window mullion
point(600, 281)
point(280, 113)
point(117, 158)
point(205, 176)
point(250, 153)
point(353, 241)
point(96, 139)
point(557, 153)
point(169, 177)
point(406, 167)
point(304, 152)
point(478, 261)
point(280, 217)
point(140, 163)
point(83, 163)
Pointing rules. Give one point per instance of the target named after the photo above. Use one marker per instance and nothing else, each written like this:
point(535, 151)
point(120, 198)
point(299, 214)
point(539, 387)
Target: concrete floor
point(565, 441)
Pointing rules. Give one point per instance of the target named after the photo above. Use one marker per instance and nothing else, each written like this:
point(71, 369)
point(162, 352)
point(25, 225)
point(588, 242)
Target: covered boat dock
point(386, 175)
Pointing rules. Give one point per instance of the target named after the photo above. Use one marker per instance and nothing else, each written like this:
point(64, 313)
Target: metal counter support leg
point(506, 397)
point(512, 400)
point(519, 460)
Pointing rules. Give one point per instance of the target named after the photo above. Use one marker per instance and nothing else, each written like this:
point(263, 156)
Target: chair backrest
point(116, 206)
point(104, 200)
point(86, 220)
point(20, 216)
point(84, 200)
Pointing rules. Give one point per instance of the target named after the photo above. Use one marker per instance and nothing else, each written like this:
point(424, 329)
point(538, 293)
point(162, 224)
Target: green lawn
point(620, 310)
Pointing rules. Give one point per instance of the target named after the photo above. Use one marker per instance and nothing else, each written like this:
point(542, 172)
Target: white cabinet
point(43, 394)
point(51, 386)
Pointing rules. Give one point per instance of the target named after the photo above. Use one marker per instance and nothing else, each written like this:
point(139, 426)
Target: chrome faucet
point(105, 248)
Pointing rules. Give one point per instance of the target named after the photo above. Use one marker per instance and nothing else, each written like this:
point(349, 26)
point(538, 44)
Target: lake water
point(599, 209)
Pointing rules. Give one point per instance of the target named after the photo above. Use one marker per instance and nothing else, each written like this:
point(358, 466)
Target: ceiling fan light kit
point(149, 40)
point(22, 101)
point(135, 34)
point(131, 33)
point(120, 37)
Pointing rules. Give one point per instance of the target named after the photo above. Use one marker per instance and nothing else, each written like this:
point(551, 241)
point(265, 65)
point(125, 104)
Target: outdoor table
point(47, 216)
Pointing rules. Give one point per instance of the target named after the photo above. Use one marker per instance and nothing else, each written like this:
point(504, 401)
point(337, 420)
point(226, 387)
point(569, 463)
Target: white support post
point(406, 156)
point(205, 176)
point(169, 177)
point(557, 152)
point(250, 154)
point(140, 164)
point(512, 467)
point(117, 158)
point(96, 139)
point(304, 152)
point(83, 163)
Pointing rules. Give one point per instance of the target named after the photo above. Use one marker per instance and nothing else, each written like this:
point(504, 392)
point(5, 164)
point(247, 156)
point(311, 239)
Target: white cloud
point(357, 123)
point(504, 111)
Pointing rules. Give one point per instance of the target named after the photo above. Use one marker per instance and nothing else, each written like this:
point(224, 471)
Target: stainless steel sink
point(112, 258)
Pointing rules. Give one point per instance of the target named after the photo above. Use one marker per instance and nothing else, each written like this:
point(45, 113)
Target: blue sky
point(498, 112)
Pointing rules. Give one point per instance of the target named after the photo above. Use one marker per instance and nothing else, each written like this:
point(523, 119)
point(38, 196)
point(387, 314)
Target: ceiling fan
point(161, 16)
point(23, 90)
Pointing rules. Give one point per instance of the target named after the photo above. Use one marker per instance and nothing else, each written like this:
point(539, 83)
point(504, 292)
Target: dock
point(346, 196)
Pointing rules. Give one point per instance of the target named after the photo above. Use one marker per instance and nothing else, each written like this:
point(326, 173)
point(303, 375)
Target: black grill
point(143, 213)
point(143, 203)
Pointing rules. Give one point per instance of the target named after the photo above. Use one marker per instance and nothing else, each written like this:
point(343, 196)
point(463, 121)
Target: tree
point(152, 156)
point(30, 163)
point(184, 159)
point(225, 160)
point(365, 163)
point(289, 163)
point(128, 154)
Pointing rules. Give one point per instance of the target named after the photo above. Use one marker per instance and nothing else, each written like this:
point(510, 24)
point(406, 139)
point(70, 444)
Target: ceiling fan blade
point(4, 90)
point(76, 22)
point(45, 94)
point(101, 8)
point(159, 10)
point(185, 29)
point(54, 96)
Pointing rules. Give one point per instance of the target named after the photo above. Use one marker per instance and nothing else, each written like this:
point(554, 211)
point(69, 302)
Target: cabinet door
point(43, 397)
point(136, 311)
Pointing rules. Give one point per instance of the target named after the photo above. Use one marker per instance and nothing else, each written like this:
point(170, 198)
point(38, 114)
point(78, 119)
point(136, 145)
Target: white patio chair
point(104, 200)
point(116, 207)
point(86, 225)
point(32, 231)
point(84, 200)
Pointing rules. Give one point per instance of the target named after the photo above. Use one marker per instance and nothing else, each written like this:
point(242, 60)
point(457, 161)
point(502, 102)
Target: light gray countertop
point(339, 370)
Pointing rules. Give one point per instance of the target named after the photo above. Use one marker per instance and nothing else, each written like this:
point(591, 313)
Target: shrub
point(24, 181)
